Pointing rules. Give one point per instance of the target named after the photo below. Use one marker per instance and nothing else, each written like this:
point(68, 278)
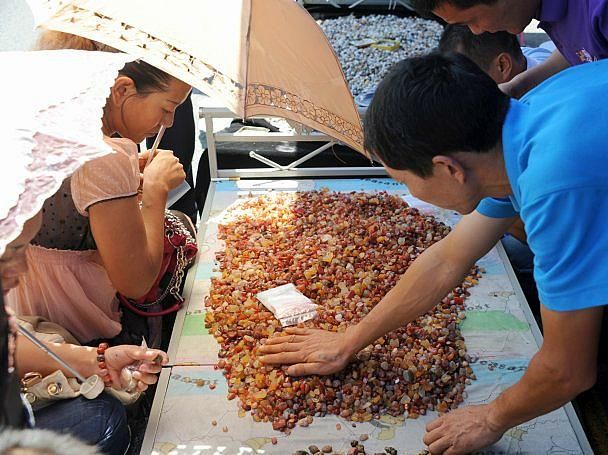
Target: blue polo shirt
point(579, 28)
point(555, 142)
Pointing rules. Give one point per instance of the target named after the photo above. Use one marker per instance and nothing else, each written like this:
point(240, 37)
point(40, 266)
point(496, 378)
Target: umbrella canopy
point(52, 120)
point(261, 57)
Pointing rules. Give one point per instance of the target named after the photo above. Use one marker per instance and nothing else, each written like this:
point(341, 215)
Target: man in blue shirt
point(439, 124)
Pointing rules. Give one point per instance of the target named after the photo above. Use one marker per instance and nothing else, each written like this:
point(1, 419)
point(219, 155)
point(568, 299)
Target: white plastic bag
point(288, 304)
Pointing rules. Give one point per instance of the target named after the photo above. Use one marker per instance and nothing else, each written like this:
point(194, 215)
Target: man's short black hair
point(432, 105)
point(427, 6)
point(482, 49)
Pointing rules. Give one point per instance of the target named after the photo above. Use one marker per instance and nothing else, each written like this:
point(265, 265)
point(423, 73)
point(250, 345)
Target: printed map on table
point(496, 333)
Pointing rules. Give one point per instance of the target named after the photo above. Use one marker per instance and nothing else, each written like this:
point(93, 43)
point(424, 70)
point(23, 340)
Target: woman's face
point(13, 263)
point(138, 116)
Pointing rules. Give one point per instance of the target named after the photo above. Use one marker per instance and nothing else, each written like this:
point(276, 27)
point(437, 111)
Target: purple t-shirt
point(579, 28)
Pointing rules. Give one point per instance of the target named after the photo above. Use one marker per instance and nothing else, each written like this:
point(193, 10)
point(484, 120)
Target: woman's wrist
point(88, 365)
point(92, 361)
point(152, 185)
point(154, 195)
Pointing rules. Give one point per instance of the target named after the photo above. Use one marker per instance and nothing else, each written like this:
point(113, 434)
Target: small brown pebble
point(274, 441)
point(313, 449)
point(338, 426)
point(225, 429)
point(327, 449)
point(354, 443)
point(363, 437)
point(214, 423)
point(279, 424)
point(212, 386)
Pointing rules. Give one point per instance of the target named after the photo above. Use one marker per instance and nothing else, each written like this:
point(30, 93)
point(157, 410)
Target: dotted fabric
point(63, 228)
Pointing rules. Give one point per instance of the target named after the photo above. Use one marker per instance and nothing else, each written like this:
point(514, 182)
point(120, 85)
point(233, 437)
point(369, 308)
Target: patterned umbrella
point(261, 57)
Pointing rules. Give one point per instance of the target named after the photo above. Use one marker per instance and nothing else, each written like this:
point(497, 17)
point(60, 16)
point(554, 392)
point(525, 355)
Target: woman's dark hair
point(146, 77)
point(433, 105)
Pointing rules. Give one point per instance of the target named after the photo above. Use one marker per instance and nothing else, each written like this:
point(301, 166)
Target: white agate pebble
point(127, 380)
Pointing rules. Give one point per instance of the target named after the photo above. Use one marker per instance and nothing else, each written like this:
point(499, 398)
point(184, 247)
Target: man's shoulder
point(560, 167)
point(572, 83)
point(564, 147)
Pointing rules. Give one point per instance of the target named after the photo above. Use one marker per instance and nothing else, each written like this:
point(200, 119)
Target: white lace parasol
point(50, 123)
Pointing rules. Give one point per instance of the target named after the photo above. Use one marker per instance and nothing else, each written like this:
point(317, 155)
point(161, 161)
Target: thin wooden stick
point(159, 136)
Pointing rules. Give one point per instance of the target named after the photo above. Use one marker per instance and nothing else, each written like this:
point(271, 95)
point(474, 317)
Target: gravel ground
point(365, 67)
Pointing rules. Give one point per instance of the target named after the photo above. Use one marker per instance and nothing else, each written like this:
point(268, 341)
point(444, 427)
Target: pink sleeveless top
point(66, 281)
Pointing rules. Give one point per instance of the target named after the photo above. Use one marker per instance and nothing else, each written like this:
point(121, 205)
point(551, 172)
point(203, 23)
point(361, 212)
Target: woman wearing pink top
point(97, 237)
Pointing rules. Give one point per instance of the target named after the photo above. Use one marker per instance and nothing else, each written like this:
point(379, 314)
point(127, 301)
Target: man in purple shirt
point(579, 29)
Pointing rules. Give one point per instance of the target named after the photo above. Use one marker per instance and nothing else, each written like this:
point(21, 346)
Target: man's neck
point(490, 172)
point(493, 174)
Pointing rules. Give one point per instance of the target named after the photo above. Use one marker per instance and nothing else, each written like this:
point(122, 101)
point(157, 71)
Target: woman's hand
point(119, 357)
point(164, 170)
point(143, 158)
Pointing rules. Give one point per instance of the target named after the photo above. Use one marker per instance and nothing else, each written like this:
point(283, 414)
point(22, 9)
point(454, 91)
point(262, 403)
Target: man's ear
point(504, 66)
point(449, 167)
point(123, 88)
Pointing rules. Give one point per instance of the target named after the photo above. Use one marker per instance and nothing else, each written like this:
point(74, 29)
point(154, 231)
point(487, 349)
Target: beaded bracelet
point(101, 361)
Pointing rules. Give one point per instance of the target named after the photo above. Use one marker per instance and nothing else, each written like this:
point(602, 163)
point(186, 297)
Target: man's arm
point(564, 367)
point(526, 81)
point(518, 230)
point(429, 278)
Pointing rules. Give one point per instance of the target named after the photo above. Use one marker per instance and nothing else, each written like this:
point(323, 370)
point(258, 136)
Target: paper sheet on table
point(176, 193)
